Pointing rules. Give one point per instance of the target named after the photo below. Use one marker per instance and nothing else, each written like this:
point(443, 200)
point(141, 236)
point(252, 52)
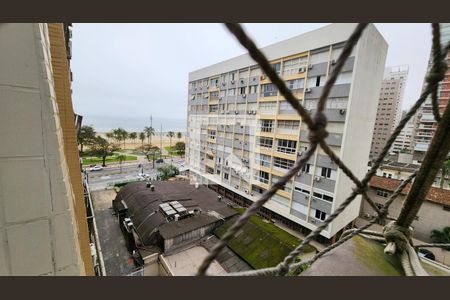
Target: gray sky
point(134, 70)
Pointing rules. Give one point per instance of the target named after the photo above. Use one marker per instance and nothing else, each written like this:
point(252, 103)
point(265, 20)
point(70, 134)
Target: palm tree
point(179, 135)
point(441, 237)
point(121, 158)
point(170, 134)
point(149, 131)
point(133, 136)
point(142, 138)
point(109, 135)
point(445, 173)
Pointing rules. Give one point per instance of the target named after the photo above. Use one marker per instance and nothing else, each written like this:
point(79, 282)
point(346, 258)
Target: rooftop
point(144, 207)
point(436, 195)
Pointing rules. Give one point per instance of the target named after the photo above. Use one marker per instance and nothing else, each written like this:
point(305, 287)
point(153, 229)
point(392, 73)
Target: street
point(109, 175)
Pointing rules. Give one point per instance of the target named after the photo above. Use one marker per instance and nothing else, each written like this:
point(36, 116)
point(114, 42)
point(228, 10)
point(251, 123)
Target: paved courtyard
point(118, 261)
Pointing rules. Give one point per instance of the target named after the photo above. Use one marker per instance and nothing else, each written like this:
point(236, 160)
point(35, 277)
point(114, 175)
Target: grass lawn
point(171, 150)
point(260, 243)
point(109, 159)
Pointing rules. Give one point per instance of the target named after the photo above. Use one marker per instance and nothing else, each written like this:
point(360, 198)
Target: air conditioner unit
point(206, 96)
point(220, 98)
point(244, 95)
point(301, 70)
point(193, 98)
point(242, 81)
point(222, 112)
point(318, 178)
point(313, 221)
point(251, 194)
point(254, 112)
point(307, 90)
point(236, 112)
point(246, 191)
point(224, 83)
point(342, 111)
point(207, 86)
point(232, 81)
point(333, 62)
point(236, 186)
point(300, 153)
point(310, 67)
point(263, 77)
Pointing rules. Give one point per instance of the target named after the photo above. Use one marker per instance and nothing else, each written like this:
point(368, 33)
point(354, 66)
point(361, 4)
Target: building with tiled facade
point(243, 135)
point(389, 107)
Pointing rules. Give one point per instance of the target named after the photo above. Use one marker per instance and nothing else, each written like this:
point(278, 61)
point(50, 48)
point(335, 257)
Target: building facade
point(243, 135)
point(433, 214)
point(389, 107)
point(425, 124)
point(43, 226)
point(404, 141)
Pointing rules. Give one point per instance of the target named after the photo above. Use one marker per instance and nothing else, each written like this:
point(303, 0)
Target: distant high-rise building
point(425, 124)
point(243, 135)
point(404, 141)
point(389, 107)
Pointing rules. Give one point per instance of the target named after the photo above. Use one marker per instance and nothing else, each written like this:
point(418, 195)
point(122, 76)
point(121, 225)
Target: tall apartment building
point(243, 136)
point(389, 107)
point(43, 222)
point(425, 125)
point(404, 141)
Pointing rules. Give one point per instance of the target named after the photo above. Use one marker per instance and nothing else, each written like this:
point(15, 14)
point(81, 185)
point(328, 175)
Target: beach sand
point(156, 141)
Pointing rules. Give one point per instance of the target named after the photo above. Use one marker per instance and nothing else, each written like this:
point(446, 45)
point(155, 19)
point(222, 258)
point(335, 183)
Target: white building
point(243, 135)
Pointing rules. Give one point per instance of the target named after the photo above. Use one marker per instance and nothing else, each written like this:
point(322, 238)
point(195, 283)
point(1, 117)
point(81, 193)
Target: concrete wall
point(38, 235)
point(361, 114)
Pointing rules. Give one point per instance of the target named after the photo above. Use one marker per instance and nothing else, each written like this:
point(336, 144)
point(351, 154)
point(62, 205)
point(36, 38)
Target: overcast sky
point(134, 70)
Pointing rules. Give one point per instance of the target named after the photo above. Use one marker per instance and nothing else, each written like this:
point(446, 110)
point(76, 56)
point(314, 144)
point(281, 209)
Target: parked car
point(159, 160)
point(426, 253)
point(96, 168)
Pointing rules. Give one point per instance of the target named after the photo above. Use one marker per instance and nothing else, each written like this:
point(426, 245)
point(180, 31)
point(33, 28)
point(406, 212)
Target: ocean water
point(107, 123)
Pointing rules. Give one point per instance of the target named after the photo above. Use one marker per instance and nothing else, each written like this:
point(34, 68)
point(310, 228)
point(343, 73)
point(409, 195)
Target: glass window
point(268, 90)
point(293, 66)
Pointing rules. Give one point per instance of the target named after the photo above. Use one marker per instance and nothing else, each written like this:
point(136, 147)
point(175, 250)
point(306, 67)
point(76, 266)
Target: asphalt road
point(100, 179)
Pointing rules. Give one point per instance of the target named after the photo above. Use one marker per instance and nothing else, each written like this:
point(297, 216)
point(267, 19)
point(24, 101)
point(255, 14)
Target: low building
point(167, 217)
point(433, 214)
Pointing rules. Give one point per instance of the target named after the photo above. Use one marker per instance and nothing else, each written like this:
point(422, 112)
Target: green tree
point(120, 134)
point(142, 138)
point(149, 131)
point(445, 173)
point(109, 135)
point(441, 236)
point(179, 135)
point(86, 136)
point(102, 148)
point(167, 172)
point(133, 136)
point(180, 148)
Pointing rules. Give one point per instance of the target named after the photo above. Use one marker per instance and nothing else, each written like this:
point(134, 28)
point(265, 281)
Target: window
point(231, 92)
point(225, 176)
point(214, 95)
point(277, 68)
point(288, 124)
point(287, 146)
point(267, 106)
point(222, 94)
point(214, 82)
point(293, 66)
point(303, 191)
point(262, 176)
point(307, 169)
point(265, 142)
point(268, 90)
point(212, 134)
point(382, 193)
point(233, 76)
point(283, 163)
point(284, 105)
point(242, 90)
point(263, 160)
point(295, 84)
point(327, 173)
point(266, 125)
point(320, 215)
point(213, 108)
point(253, 89)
